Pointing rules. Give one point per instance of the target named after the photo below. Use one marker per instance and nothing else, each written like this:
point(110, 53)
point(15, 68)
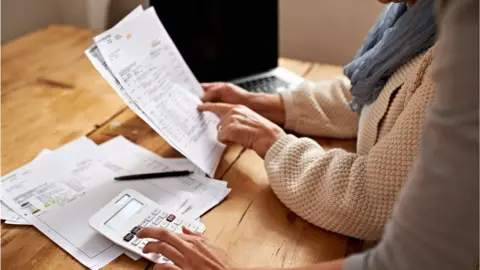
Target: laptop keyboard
point(265, 85)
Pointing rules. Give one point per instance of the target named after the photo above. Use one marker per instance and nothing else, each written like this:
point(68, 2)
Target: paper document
point(63, 189)
point(52, 198)
point(8, 214)
point(203, 193)
point(158, 85)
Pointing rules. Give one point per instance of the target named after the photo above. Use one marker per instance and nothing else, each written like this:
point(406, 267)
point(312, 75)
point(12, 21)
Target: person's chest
point(378, 119)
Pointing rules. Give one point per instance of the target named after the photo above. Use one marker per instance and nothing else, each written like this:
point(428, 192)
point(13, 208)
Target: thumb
point(211, 94)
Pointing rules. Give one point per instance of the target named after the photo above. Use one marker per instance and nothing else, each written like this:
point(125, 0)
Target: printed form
point(8, 214)
point(154, 76)
point(60, 192)
point(65, 189)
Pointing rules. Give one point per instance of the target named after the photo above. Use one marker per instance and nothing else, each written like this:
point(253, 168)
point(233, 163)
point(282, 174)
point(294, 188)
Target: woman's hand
point(188, 251)
point(241, 125)
point(225, 93)
point(269, 106)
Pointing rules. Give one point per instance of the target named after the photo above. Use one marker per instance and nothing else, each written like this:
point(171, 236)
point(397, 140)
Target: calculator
point(128, 213)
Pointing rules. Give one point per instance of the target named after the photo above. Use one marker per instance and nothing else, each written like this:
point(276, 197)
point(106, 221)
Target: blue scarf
point(400, 33)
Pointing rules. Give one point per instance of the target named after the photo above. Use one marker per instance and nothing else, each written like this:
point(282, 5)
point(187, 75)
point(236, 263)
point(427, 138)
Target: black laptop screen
point(222, 39)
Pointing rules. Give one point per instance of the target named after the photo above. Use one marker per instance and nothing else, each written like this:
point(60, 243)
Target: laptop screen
point(223, 40)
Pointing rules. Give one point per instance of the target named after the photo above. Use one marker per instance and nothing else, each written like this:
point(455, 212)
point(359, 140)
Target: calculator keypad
point(158, 219)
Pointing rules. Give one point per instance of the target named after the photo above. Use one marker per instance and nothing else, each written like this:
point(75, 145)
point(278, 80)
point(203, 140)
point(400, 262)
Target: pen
point(153, 175)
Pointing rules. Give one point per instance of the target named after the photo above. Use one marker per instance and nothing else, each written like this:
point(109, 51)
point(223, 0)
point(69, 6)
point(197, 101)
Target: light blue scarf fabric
point(400, 33)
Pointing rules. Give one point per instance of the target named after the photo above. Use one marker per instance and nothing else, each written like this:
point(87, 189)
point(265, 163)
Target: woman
point(383, 103)
point(435, 223)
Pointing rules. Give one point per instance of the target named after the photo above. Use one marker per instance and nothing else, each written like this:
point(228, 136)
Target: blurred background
point(326, 31)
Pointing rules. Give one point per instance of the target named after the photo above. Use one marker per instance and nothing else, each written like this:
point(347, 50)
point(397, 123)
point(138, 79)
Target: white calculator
point(128, 213)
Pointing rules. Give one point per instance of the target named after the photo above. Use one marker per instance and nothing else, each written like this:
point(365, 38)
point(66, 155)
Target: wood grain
point(256, 229)
point(35, 106)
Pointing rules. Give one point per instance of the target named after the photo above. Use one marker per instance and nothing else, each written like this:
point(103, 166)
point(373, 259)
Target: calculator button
point(193, 227)
point(178, 229)
point(163, 214)
point(157, 220)
point(136, 241)
point(156, 211)
point(164, 223)
point(142, 244)
point(178, 221)
point(136, 229)
point(149, 217)
point(171, 218)
point(144, 224)
point(128, 237)
point(172, 227)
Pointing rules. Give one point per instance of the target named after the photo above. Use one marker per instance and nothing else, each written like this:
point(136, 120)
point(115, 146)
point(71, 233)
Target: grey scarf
point(400, 33)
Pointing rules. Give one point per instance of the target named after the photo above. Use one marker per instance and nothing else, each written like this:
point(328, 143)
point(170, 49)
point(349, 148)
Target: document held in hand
point(140, 61)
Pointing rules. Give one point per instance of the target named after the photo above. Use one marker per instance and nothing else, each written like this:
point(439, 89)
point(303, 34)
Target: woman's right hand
point(269, 106)
point(223, 92)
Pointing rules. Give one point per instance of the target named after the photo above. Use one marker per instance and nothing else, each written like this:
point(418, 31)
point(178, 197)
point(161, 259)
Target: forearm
point(269, 106)
point(331, 189)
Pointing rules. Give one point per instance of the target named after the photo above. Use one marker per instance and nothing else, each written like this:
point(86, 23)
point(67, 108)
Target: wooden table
point(51, 94)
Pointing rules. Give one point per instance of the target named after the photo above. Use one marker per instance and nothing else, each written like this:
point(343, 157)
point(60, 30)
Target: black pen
point(153, 175)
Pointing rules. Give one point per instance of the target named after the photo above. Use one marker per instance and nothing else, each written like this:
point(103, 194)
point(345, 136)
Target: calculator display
point(117, 220)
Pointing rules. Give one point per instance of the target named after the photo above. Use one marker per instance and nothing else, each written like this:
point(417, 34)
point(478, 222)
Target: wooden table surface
point(51, 94)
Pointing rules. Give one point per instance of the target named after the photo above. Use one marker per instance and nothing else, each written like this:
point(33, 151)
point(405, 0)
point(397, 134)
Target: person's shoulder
point(420, 82)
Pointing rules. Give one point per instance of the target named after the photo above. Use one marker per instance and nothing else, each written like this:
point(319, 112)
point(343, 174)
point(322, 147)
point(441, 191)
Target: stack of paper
point(59, 191)
point(140, 61)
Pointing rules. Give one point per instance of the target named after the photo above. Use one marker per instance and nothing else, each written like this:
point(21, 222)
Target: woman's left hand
point(241, 125)
point(188, 251)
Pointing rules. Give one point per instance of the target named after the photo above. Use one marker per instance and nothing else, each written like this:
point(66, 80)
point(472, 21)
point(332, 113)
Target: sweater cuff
point(288, 104)
point(277, 147)
point(291, 112)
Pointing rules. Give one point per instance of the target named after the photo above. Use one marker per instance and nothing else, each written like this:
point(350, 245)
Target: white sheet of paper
point(61, 205)
point(143, 58)
point(50, 187)
point(96, 58)
point(204, 193)
point(183, 164)
point(8, 214)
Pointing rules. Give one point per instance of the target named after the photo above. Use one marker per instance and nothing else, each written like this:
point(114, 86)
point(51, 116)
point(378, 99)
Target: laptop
point(235, 41)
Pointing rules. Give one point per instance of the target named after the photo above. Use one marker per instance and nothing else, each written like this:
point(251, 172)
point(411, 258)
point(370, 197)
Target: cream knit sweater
point(350, 193)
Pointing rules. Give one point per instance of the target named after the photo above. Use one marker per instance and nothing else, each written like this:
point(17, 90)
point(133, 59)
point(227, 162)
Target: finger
point(219, 109)
point(149, 232)
point(187, 231)
point(166, 250)
point(166, 266)
point(209, 85)
point(190, 253)
point(212, 94)
point(225, 120)
point(225, 135)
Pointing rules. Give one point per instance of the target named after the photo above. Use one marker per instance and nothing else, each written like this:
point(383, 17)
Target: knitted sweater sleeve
point(343, 192)
point(321, 109)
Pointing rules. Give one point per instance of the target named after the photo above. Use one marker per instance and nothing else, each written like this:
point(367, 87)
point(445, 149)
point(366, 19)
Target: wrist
point(269, 106)
point(274, 135)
